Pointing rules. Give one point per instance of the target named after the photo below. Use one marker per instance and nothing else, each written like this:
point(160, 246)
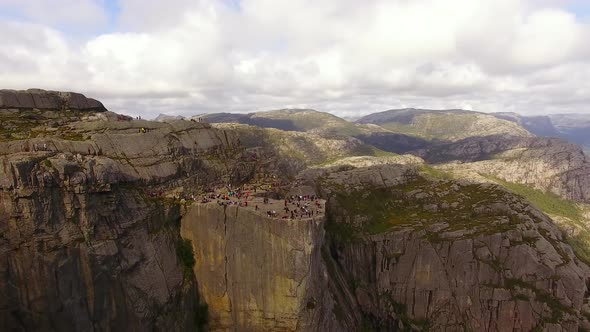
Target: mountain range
point(290, 220)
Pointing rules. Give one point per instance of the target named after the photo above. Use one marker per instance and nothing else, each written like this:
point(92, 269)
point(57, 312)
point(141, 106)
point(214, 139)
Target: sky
point(347, 57)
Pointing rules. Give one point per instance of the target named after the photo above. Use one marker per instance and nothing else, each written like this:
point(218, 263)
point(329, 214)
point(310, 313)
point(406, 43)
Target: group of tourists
point(40, 147)
point(295, 206)
point(302, 206)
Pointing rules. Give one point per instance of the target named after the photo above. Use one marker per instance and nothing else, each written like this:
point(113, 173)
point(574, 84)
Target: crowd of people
point(40, 147)
point(294, 206)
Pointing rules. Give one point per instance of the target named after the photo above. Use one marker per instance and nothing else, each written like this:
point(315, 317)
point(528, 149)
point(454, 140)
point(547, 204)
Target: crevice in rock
point(227, 286)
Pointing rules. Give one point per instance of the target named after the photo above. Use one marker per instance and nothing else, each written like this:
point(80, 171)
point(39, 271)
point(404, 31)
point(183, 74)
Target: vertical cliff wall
point(258, 273)
point(84, 245)
point(90, 261)
point(448, 256)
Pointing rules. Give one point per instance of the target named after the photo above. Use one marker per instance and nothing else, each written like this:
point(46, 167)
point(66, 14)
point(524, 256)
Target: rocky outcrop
point(547, 164)
point(368, 161)
point(258, 273)
point(290, 152)
point(48, 100)
point(451, 256)
point(89, 224)
point(93, 206)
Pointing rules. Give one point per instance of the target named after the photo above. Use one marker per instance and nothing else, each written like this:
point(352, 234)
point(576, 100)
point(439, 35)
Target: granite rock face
point(84, 244)
point(417, 254)
point(547, 164)
point(48, 100)
point(92, 216)
point(258, 273)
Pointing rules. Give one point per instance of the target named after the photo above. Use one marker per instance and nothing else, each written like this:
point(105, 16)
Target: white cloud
point(335, 55)
point(73, 14)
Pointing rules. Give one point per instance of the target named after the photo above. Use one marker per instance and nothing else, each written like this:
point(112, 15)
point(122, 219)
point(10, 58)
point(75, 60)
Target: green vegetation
point(47, 163)
point(405, 129)
point(184, 252)
point(581, 245)
point(73, 136)
point(449, 126)
point(552, 204)
point(549, 203)
point(443, 126)
point(556, 307)
point(26, 124)
point(201, 316)
point(306, 120)
point(419, 204)
point(375, 152)
point(433, 173)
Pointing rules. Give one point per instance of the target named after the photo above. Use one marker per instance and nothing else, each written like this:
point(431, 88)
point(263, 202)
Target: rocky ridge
point(448, 125)
point(548, 164)
point(92, 213)
point(89, 223)
point(417, 254)
point(48, 100)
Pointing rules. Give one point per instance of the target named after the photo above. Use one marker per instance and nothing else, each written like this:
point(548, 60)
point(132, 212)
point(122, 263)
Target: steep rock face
point(258, 273)
point(48, 100)
point(547, 164)
point(83, 244)
point(89, 261)
point(419, 254)
point(289, 152)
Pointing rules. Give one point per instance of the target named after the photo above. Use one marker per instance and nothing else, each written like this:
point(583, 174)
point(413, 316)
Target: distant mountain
point(444, 125)
point(304, 120)
point(539, 125)
point(224, 118)
point(572, 127)
point(404, 130)
point(166, 117)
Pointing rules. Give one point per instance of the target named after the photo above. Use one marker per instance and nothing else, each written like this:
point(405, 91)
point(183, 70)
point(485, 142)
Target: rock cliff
point(258, 273)
point(89, 222)
point(548, 164)
point(99, 230)
point(48, 100)
point(417, 254)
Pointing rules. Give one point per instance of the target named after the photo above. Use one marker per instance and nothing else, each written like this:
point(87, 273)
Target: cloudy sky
point(348, 57)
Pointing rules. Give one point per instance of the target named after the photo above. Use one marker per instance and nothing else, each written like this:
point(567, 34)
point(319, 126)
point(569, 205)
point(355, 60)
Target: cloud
point(336, 55)
point(68, 14)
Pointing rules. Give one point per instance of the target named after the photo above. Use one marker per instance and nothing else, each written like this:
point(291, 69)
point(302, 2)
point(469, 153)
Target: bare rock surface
point(47, 100)
point(441, 255)
point(89, 225)
point(547, 164)
point(93, 205)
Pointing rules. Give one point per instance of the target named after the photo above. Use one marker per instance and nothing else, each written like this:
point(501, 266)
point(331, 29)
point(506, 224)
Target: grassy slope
point(448, 126)
point(554, 205)
point(308, 120)
point(387, 209)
